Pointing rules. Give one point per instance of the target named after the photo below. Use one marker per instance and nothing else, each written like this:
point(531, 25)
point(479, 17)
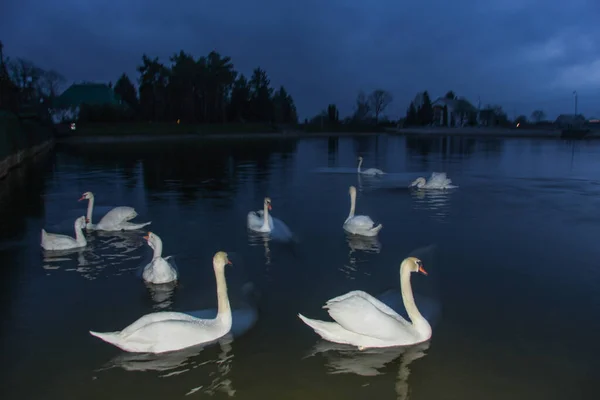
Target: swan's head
point(360, 159)
point(352, 191)
point(414, 265)
point(268, 203)
point(419, 182)
point(87, 196)
point(152, 239)
point(221, 260)
point(80, 222)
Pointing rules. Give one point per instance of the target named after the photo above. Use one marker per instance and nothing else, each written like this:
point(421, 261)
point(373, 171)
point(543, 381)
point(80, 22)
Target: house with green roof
point(66, 107)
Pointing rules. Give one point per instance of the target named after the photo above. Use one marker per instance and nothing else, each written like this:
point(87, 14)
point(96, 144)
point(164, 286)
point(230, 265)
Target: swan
point(369, 171)
point(54, 241)
point(359, 224)
point(365, 322)
point(261, 221)
point(159, 270)
point(438, 180)
point(114, 220)
point(164, 331)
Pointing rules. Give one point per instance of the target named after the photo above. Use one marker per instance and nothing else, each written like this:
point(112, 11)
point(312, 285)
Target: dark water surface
point(513, 292)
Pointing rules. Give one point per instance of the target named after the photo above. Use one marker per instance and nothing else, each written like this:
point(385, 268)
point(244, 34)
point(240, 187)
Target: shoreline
point(487, 132)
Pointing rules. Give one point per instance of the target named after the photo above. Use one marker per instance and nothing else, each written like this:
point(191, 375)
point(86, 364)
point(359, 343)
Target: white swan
point(54, 241)
point(369, 171)
point(114, 220)
point(261, 221)
point(159, 270)
point(164, 331)
point(438, 180)
point(359, 224)
point(365, 322)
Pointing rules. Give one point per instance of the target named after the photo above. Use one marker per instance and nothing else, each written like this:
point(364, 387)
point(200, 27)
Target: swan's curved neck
point(266, 215)
point(79, 236)
point(359, 164)
point(352, 205)
point(223, 307)
point(418, 321)
point(157, 248)
point(90, 209)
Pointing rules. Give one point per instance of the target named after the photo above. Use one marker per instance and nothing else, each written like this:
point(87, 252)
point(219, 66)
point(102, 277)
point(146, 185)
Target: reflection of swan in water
point(82, 260)
point(261, 239)
point(370, 245)
point(434, 200)
point(162, 294)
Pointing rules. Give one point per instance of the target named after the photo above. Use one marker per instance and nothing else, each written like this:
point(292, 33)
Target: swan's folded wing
point(361, 313)
point(362, 221)
point(437, 178)
point(155, 317)
point(118, 215)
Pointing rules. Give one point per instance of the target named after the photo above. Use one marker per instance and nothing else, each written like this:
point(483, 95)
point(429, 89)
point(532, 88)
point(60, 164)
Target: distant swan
point(363, 321)
point(54, 241)
point(369, 171)
point(438, 180)
point(261, 221)
point(159, 270)
point(359, 224)
point(164, 331)
point(114, 220)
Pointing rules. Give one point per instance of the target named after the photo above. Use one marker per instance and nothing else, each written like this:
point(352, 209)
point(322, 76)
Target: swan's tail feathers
point(109, 337)
point(44, 237)
point(128, 226)
point(377, 228)
point(324, 329)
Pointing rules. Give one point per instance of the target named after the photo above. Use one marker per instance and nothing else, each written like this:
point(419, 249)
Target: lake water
point(513, 291)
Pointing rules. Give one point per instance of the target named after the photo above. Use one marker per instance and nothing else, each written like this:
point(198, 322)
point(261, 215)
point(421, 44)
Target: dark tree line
point(207, 89)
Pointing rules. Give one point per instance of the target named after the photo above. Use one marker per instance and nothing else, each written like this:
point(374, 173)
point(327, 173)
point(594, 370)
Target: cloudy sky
point(521, 54)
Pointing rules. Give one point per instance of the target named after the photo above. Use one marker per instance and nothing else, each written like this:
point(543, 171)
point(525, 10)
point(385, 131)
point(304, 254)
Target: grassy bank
point(164, 128)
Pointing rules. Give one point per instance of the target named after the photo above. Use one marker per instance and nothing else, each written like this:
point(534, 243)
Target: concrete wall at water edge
point(21, 139)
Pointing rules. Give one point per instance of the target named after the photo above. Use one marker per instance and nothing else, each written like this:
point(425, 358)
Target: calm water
point(513, 291)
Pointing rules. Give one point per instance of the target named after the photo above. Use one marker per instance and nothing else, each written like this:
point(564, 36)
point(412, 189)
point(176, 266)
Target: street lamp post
point(575, 94)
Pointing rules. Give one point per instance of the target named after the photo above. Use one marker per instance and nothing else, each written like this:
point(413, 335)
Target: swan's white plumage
point(437, 180)
point(159, 270)
point(117, 219)
point(55, 241)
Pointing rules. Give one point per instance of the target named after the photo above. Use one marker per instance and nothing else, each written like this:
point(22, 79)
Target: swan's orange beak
point(422, 270)
point(82, 198)
point(269, 205)
point(147, 237)
point(229, 262)
point(87, 220)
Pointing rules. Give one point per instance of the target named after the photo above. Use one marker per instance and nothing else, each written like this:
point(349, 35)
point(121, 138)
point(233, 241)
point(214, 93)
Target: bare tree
point(51, 82)
point(379, 99)
point(26, 76)
point(363, 107)
point(538, 116)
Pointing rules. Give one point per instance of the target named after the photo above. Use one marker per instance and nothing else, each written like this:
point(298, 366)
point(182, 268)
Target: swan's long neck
point(79, 236)
point(418, 321)
point(352, 205)
point(266, 215)
point(157, 247)
point(359, 164)
point(90, 209)
point(223, 307)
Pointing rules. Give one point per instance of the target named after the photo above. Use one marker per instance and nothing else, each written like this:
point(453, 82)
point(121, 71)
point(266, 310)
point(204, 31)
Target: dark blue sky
point(521, 54)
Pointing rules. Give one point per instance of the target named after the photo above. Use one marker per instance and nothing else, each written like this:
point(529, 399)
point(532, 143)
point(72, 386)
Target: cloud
point(522, 54)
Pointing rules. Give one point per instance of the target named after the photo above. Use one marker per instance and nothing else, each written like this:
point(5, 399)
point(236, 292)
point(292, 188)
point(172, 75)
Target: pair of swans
point(359, 224)
point(363, 321)
point(164, 331)
point(438, 180)
point(369, 171)
point(159, 270)
point(116, 219)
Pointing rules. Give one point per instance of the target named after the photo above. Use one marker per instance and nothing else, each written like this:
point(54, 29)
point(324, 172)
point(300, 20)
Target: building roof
point(87, 93)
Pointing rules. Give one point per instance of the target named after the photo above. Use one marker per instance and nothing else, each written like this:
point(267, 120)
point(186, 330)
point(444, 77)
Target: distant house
point(66, 107)
point(453, 112)
point(565, 121)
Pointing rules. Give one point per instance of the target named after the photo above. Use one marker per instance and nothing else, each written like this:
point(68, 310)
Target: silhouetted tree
point(450, 95)
point(362, 108)
point(379, 99)
point(333, 113)
point(125, 89)
point(261, 104)
point(411, 115)
point(538, 116)
point(425, 112)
